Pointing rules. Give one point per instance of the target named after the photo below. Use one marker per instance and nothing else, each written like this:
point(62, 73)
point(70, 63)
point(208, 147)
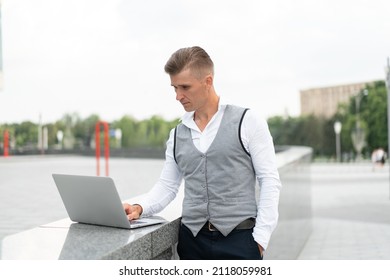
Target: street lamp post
point(60, 136)
point(337, 129)
point(388, 107)
point(118, 137)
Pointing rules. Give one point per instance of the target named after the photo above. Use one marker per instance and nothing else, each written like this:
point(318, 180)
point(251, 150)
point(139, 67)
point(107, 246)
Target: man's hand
point(132, 211)
point(261, 249)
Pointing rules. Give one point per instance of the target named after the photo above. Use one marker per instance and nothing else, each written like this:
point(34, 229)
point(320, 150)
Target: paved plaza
point(350, 202)
point(351, 209)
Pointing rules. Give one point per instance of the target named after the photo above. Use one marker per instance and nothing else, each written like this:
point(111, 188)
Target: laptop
point(95, 200)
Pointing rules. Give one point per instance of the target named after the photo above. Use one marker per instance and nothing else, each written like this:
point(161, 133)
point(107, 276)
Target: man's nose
point(179, 95)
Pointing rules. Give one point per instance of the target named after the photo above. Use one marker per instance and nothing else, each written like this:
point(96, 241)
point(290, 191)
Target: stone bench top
point(65, 239)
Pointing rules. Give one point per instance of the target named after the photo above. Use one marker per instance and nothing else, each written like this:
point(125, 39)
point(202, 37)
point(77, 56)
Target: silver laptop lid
point(91, 200)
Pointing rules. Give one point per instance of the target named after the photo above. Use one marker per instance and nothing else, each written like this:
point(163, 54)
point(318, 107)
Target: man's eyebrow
point(181, 85)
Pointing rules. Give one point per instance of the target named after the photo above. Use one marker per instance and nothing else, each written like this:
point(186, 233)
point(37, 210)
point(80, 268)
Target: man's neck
point(203, 116)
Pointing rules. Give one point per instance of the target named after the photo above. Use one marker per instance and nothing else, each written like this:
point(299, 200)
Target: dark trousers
point(213, 245)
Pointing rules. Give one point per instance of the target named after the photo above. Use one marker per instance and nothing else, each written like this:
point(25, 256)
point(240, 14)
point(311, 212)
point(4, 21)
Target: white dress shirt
point(257, 141)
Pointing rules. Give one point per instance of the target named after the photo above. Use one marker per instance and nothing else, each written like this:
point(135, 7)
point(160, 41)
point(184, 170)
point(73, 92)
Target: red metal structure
point(6, 143)
point(106, 145)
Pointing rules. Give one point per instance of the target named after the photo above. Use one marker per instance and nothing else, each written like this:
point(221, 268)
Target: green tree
point(158, 131)
point(128, 125)
point(84, 130)
point(26, 134)
point(373, 117)
point(374, 112)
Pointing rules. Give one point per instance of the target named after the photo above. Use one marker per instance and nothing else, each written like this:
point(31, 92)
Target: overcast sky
point(107, 56)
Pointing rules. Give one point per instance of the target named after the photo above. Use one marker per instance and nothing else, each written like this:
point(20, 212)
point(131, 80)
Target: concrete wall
point(295, 210)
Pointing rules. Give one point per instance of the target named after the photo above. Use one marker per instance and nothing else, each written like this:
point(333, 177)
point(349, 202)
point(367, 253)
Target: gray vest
point(219, 184)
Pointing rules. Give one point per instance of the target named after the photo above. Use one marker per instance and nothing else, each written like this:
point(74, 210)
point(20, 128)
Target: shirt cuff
point(262, 237)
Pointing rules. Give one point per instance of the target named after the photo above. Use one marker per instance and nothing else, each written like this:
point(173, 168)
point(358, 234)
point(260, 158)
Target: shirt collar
point(188, 118)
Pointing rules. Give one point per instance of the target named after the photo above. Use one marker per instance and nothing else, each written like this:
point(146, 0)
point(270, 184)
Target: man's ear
point(209, 80)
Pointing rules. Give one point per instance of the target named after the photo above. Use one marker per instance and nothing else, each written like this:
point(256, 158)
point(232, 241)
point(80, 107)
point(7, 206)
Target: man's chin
point(187, 108)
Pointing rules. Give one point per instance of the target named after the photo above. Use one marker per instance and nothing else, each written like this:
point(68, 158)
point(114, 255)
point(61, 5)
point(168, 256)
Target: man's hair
point(195, 58)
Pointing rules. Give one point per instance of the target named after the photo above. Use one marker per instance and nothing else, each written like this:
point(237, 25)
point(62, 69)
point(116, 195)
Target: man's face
point(191, 92)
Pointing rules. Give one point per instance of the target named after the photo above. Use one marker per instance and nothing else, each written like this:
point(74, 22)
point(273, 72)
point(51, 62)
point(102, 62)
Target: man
point(219, 150)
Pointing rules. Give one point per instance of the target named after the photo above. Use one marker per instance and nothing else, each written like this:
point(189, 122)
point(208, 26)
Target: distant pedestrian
point(378, 158)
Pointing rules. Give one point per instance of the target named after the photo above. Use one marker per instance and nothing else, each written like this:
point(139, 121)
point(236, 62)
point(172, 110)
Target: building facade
point(324, 101)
